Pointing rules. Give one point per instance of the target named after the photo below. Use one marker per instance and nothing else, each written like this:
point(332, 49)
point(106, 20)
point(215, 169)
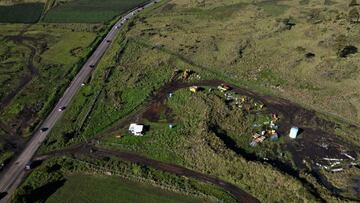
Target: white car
point(62, 108)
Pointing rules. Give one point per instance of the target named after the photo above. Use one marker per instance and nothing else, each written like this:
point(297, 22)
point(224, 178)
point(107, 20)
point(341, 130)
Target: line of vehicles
point(117, 26)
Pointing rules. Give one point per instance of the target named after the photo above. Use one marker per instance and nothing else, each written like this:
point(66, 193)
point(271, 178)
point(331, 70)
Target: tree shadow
point(44, 192)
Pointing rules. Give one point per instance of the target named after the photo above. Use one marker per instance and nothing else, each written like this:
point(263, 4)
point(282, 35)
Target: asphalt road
point(13, 174)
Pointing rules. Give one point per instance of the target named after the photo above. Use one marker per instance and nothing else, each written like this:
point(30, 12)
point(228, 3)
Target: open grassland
point(285, 48)
point(64, 179)
point(89, 11)
point(110, 189)
point(21, 13)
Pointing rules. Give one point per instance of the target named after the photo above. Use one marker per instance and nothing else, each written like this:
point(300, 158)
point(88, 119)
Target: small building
point(294, 131)
point(136, 129)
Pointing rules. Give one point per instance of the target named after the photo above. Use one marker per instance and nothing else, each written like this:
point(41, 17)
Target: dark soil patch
point(348, 50)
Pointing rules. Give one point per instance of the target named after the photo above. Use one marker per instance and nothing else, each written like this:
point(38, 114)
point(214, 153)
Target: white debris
point(337, 169)
point(332, 159)
point(334, 164)
point(348, 156)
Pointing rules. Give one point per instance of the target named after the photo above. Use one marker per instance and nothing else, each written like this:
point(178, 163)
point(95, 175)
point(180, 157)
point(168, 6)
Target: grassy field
point(182, 35)
point(249, 45)
point(58, 178)
point(21, 13)
point(89, 11)
point(110, 189)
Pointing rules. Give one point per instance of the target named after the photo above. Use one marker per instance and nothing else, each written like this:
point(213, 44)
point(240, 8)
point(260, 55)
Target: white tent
point(136, 129)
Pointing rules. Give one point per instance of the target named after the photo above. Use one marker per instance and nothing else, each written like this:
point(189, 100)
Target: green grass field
point(21, 13)
point(112, 189)
point(89, 11)
point(85, 176)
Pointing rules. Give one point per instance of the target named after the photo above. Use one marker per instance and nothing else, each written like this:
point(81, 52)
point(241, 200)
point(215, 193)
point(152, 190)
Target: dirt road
point(238, 194)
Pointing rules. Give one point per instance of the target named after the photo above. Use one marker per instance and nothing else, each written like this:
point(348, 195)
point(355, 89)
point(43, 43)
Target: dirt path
point(239, 194)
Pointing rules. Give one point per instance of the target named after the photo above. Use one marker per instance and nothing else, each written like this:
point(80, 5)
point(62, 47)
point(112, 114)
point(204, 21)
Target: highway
point(14, 173)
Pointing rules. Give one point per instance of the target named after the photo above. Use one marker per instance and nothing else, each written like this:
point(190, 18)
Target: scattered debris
point(269, 132)
point(337, 169)
point(274, 137)
point(275, 117)
point(194, 89)
point(223, 87)
point(186, 74)
point(337, 164)
point(332, 159)
point(348, 156)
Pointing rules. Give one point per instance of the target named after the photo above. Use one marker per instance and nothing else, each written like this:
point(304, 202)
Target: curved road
point(239, 194)
point(13, 174)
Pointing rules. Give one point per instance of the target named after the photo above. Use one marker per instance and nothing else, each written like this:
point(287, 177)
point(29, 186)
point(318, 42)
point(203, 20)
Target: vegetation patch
point(89, 11)
point(110, 189)
point(21, 13)
point(54, 179)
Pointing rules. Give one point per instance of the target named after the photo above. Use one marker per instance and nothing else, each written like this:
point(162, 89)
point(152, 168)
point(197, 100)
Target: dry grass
point(251, 43)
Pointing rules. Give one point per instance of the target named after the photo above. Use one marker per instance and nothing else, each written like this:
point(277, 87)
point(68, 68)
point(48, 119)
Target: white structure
point(136, 129)
point(294, 132)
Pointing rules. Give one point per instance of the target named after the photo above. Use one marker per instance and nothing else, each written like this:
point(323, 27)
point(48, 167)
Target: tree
point(354, 15)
